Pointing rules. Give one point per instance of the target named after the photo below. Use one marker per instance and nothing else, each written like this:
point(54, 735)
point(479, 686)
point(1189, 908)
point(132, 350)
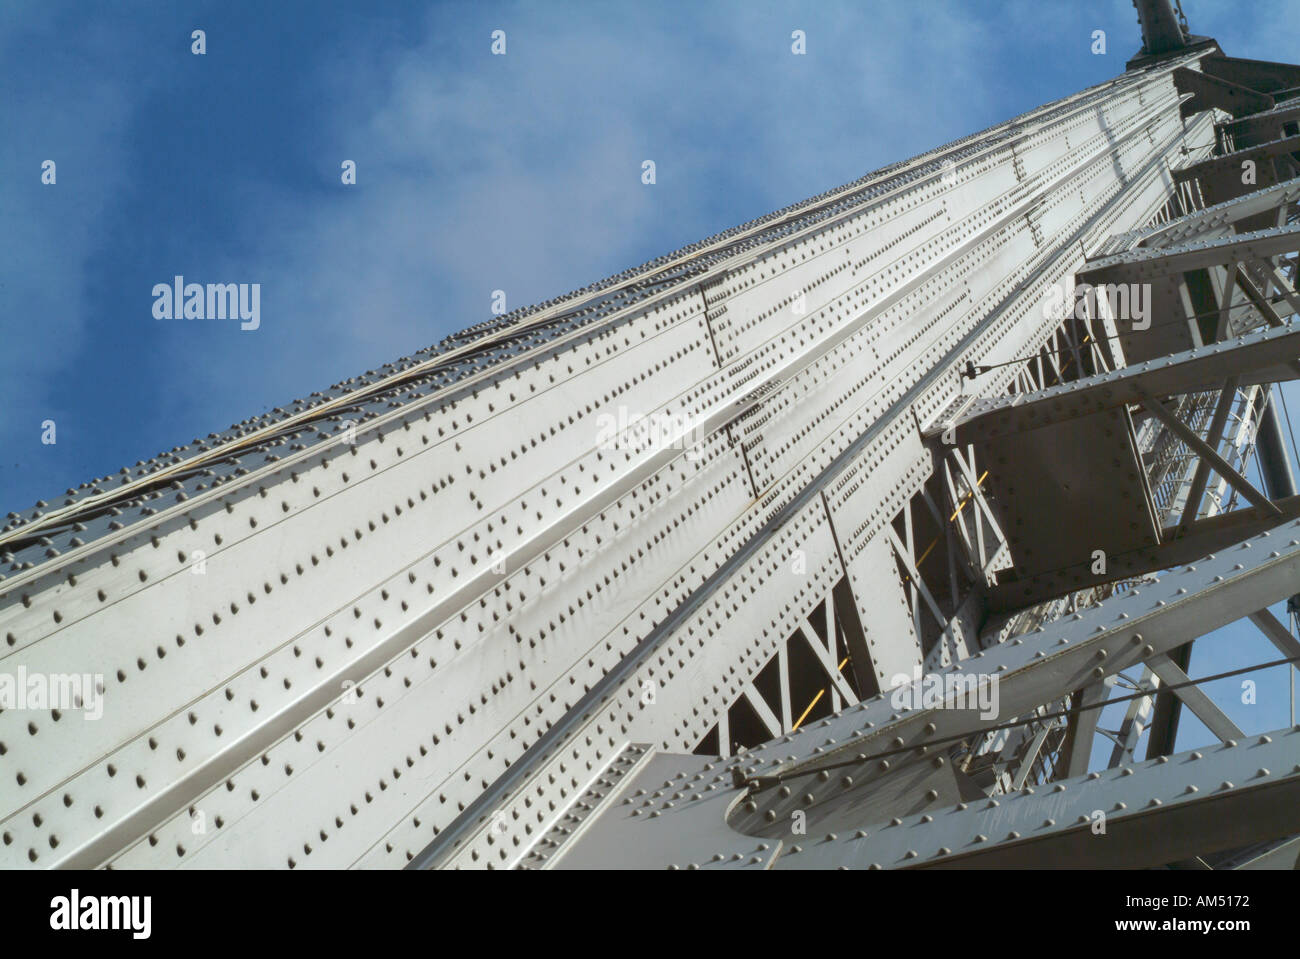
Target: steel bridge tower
point(818, 543)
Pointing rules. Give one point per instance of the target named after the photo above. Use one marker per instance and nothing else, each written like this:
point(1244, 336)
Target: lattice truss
point(634, 576)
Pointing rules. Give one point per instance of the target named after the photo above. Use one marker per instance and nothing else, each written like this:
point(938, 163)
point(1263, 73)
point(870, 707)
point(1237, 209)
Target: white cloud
point(522, 172)
point(52, 230)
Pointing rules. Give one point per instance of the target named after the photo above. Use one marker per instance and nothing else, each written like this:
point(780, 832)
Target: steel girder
point(1143, 815)
point(468, 843)
point(1023, 435)
point(434, 604)
point(876, 785)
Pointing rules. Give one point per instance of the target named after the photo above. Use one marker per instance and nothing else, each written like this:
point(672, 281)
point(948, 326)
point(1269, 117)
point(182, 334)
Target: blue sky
point(474, 173)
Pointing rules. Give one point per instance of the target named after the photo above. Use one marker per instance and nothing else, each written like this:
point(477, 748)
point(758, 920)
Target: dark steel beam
point(1161, 31)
